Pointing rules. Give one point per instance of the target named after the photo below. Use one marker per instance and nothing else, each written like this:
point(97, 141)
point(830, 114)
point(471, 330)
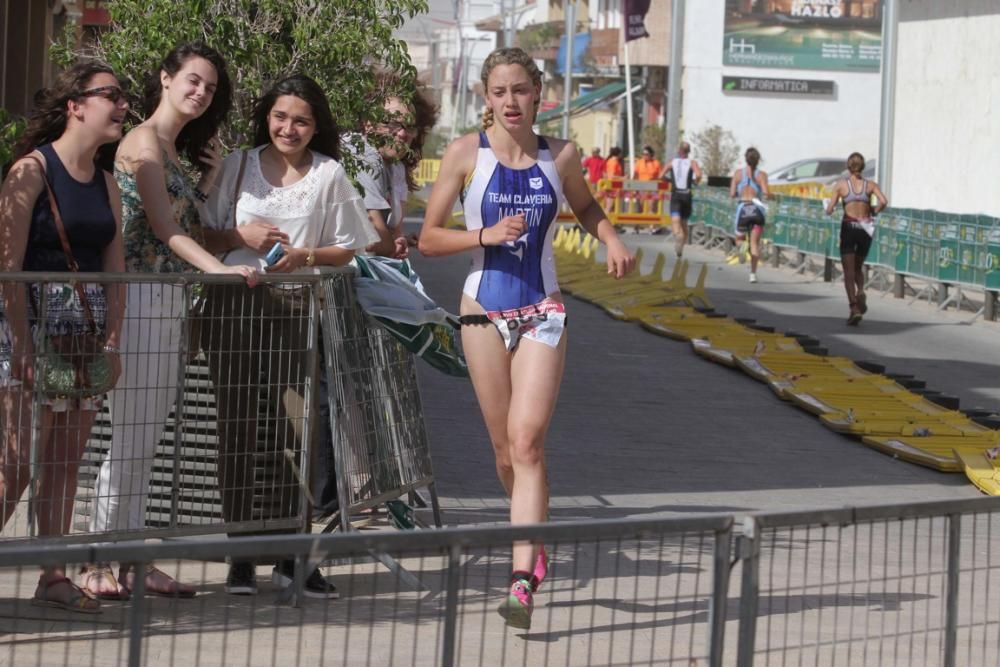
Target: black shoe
point(316, 585)
point(242, 579)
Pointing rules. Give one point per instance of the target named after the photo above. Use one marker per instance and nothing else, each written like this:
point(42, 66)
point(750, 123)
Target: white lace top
point(321, 209)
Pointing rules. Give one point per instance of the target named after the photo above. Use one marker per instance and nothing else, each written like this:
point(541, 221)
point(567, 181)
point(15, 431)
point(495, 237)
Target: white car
point(817, 169)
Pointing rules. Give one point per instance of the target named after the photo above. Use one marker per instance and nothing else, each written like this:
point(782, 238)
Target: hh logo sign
point(535, 183)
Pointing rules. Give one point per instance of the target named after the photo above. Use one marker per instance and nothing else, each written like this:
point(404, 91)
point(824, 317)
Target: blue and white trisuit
point(512, 282)
point(748, 214)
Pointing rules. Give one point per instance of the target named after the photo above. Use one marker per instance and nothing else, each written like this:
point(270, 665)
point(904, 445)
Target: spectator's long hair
point(47, 120)
point(195, 135)
point(325, 140)
point(425, 115)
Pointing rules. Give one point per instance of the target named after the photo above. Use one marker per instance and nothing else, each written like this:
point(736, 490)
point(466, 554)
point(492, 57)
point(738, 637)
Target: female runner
point(511, 182)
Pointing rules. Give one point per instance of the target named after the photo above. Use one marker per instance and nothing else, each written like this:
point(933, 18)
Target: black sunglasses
point(113, 94)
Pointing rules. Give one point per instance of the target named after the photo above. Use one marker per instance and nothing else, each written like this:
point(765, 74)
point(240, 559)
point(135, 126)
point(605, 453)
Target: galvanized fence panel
point(630, 592)
point(263, 392)
point(890, 585)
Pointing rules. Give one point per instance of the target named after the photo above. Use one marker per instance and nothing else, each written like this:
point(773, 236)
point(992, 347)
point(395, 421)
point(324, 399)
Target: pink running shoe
point(541, 568)
point(516, 609)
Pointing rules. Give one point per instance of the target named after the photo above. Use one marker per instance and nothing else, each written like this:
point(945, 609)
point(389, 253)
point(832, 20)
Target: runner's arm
point(458, 162)
point(832, 202)
point(587, 211)
point(762, 180)
point(882, 200)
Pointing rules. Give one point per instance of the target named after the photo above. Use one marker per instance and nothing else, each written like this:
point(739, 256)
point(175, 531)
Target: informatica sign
point(749, 84)
point(804, 34)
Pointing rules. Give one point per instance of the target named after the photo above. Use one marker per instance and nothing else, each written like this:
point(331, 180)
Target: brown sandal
point(174, 589)
point(78, 601)
point(104, 574)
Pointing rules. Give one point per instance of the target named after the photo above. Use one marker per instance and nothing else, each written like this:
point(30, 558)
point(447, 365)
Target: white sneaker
point(753, 277)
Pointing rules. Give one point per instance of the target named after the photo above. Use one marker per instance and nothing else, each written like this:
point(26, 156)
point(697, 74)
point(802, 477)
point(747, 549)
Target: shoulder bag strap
point(64, 240)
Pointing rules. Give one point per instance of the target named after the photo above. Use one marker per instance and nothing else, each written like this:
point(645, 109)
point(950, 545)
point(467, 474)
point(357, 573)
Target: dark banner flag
point(635, 17)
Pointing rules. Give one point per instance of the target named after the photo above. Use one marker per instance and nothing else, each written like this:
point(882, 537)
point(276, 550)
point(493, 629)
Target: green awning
point(610, 92)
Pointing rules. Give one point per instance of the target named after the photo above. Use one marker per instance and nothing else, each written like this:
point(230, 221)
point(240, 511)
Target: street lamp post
point(675, 75)
point(568, 87)
point(890, 30)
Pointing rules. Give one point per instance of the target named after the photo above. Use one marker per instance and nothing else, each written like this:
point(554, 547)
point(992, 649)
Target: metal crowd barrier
point(888, 585)
point(618, 592)
point(226, 396)
point(894, 584)
point(947, 250)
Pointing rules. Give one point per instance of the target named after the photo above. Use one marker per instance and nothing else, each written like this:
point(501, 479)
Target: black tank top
point(86, 214)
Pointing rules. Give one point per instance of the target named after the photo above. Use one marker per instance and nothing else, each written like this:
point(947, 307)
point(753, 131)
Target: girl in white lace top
point(289, 190)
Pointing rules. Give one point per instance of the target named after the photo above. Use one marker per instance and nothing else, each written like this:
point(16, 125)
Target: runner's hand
point(620, 261)
point(506, 230)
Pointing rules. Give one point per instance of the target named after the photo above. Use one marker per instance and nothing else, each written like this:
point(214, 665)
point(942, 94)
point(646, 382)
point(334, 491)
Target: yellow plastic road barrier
point(632, 202)
point(427, 172)
point(804, 190)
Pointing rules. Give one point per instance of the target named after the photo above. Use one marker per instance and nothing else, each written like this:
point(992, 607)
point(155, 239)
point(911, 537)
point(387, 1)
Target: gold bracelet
point(311, 258)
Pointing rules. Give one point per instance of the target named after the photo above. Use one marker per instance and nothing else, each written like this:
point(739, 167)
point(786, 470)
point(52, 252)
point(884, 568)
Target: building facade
point(945, 135)
point(791, 99)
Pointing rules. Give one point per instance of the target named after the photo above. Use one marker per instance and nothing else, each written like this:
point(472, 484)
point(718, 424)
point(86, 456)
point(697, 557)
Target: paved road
point(645, 427)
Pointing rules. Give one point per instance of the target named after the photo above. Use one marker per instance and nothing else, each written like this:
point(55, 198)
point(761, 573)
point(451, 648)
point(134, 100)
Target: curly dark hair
point(425, 116)
point(326, 140)
point(196, 134)
point(47, 120)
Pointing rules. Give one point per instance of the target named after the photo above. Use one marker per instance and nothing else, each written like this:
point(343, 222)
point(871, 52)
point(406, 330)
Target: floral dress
point(144, 251)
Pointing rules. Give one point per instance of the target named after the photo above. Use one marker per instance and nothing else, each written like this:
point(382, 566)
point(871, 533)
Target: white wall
point(946, 148)
point(784, 128)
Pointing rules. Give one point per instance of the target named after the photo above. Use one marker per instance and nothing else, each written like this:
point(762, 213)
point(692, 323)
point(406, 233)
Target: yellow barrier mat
point(847, 399)
point(981, 471)
point(937, 452)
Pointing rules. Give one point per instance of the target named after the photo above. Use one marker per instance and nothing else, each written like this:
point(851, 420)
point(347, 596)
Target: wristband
point(200, 196)
point(481, 230)
point(110, 348)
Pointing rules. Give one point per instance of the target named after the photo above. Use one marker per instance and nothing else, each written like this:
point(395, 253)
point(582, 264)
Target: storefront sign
point(748, 84)
point(804, 34)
